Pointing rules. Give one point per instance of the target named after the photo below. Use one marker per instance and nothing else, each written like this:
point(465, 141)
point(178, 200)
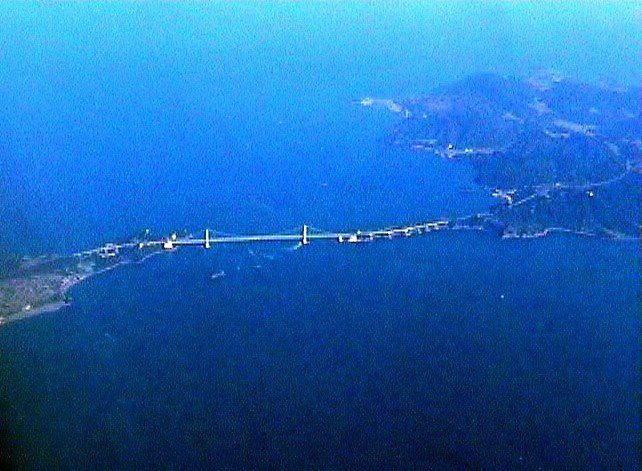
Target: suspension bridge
point(303, 236)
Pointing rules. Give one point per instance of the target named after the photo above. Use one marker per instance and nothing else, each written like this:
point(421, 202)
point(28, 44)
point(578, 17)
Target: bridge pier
point(304, 235)
point(207, 239)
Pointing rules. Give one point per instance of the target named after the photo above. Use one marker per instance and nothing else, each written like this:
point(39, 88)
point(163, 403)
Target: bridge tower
point(304, 235)
point(207, 239)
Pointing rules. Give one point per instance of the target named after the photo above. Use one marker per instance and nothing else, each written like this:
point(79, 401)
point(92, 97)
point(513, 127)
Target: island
point(558, 154)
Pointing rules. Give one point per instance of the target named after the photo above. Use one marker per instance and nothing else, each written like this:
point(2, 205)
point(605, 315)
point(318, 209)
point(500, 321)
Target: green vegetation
point(562, 155)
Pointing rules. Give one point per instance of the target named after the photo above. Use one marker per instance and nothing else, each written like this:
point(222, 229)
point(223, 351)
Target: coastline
point(67, 284)
point(70, 281)
point(36, 311)
point(52, 306)
point(561, 230)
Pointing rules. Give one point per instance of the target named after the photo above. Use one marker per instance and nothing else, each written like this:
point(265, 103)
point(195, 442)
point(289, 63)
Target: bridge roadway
point(261, 238)
point(189, 241)
point(304, 237)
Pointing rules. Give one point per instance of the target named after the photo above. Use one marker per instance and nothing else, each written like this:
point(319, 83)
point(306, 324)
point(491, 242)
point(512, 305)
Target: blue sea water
point(447, 350)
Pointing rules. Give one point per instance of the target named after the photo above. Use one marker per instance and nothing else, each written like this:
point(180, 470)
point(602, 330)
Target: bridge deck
point(304, 238)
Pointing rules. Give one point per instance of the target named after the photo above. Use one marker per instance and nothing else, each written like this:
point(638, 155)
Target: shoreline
point(561, 230)
point(77, 279)
point(33, 312)
point(64, 289)
point(55, 305)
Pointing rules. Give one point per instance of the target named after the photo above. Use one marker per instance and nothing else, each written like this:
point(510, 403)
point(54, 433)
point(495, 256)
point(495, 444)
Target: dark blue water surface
point(454, 349)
